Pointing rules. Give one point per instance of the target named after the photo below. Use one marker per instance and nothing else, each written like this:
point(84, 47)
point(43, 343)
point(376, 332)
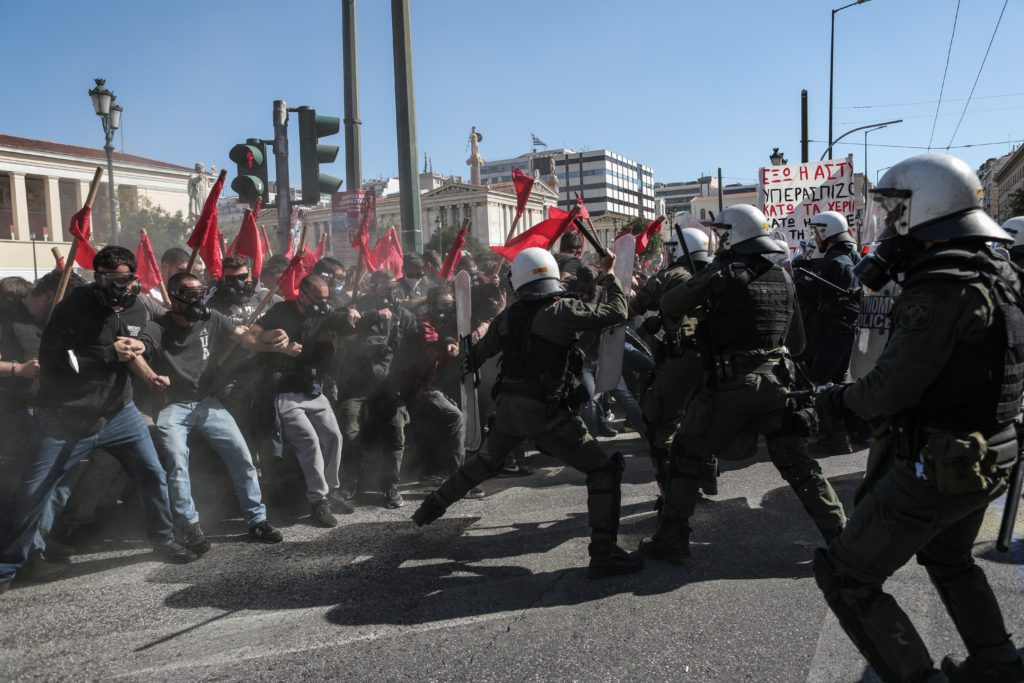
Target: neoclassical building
point(43, 183)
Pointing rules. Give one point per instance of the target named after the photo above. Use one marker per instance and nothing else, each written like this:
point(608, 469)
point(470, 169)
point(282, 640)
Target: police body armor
point(834, 305)
point(979, 389)
point(750, 314)
point(534, 367)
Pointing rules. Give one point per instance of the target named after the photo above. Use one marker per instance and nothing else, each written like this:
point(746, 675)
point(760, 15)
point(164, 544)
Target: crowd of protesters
point(119, 395)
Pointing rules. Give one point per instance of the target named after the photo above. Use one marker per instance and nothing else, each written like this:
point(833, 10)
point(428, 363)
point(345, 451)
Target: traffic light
point(251, 179)
point(311, 129)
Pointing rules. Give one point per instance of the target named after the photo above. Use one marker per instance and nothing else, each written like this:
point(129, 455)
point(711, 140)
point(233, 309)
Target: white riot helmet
point(1015, 227)
point(745, 230)
point(933, 197)
point(832, 225)
point(535, 265)
point(698, 244)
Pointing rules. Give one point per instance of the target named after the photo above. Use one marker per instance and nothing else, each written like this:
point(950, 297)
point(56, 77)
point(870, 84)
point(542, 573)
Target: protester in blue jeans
point(85, 400)
point(184, 347)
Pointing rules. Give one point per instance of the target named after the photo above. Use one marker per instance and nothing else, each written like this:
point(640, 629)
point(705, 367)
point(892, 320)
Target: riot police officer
point(748, 324)
point(948, 386)
point(1015, 226)
point(677, 370)
point(838, 293)
point(539, 370)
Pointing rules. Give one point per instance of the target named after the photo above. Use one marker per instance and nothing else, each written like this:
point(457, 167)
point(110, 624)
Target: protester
point(184, 345)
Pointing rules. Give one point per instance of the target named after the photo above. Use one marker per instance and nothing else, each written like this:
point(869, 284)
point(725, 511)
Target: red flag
point(290, 251)
point(361, 238)
point(147, 269)
point(645, 237)
point(249, 242)
point(524, 185)
point(451, 260)
point(265, 241)
point(81, 229)
point(543, 235)
point(210, 251)
point(234, 242)
point(208, 217)
point(388, 252)
point(288, 285)
point(584, 214)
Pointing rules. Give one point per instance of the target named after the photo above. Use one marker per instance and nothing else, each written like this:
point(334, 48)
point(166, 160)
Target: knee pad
point(799, 473)
point(682, 464)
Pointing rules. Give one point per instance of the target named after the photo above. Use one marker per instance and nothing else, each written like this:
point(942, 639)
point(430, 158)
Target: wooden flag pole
point(65, 275)
point(511, 231)
point(58, 259)
point(163, 287)
point(195, 250)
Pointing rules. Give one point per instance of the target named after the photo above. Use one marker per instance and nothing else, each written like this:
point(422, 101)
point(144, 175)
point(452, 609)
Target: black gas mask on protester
point(316, 307)
point(238, 289)
point(117, 290)
point(443, 313)
point(192, 305)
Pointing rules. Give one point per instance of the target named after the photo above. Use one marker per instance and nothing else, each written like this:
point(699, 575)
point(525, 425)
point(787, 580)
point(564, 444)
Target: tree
point(472, 245)
point(1016, 204)
point(636, 226)
point(165, 230)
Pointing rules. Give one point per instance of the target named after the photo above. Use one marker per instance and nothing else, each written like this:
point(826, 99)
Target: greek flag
point(537, 142)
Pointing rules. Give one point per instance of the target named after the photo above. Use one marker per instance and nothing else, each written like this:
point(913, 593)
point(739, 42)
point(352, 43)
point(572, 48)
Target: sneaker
point(174, 553)
point(392, 498)
point(341, 501)
point(475, 493)
point(42, 570)
point(265, 533)
point(606, 430)
point(432, 479)
point(612, 561)
point(516, 471)
point(971, 669)
point(671, 548)
point(346, 493)
point(429, 510)
point(321, 514)
point(193, 538)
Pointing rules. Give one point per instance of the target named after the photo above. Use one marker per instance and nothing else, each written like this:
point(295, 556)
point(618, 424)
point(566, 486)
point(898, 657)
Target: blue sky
point(680, 85)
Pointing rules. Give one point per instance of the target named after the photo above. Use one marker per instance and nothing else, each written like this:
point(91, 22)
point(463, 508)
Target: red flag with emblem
point(81, 229)
point(584, 214)
point(361, 238)
point(524, 186)
point(207, 218)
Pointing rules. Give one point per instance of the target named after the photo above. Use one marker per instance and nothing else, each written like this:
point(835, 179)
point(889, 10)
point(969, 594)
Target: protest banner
point(791, 194)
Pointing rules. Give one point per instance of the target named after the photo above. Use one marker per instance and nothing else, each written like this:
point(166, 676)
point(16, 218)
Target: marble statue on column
point(475, 161)
point(198, 188)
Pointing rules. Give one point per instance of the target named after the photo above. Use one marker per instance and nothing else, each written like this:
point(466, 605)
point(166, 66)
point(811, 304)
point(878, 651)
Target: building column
point(19, 206)
point(54, 221)
point(81, 192)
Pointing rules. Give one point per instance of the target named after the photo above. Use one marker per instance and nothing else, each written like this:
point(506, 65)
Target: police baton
point(822, 280)
point(1010, 509)
point(685, 248)
point(601, 251)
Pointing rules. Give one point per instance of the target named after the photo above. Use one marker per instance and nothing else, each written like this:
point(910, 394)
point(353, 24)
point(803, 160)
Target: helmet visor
point(888, 209)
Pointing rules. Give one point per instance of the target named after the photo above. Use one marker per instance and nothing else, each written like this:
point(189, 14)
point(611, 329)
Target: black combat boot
point(709, 477)
point(975, 670)
point(670, 543)
point(429, 510)
point(608, 559)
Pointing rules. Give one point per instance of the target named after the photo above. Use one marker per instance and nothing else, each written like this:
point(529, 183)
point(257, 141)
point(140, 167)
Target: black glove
point(829, 401)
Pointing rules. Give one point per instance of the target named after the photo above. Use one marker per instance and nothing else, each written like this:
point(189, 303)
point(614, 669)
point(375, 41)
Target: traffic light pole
point(284, 205)
point(405, 113)
point(353, 147)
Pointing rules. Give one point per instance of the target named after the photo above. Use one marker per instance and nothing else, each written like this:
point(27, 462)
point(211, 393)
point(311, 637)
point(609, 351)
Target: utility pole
point(284, 203)
point(405, 115)
point(721, 189)
point(353, 146)
point(803, 127)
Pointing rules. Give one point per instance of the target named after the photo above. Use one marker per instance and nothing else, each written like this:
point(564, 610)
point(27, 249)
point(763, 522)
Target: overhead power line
point(978, 77)
point(875, 144)
point(917, 102)
point(928, 116)
point(945, 71)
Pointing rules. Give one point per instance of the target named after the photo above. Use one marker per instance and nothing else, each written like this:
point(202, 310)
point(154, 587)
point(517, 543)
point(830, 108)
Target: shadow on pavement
point(393, 573)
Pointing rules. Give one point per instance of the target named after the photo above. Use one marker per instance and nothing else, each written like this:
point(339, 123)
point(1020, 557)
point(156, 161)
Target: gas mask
point(445, 313)
point(316, 308)
point(387, 292)
point(117, 289)
point(887, 222)
point(238, 288)
point(193, 307)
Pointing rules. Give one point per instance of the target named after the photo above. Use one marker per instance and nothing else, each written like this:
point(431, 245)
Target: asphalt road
point(495, 590)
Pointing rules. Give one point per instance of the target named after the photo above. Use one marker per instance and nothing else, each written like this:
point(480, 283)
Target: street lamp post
point(831, 64)
point(437, 227)
point(103, 102)
point(777, 158)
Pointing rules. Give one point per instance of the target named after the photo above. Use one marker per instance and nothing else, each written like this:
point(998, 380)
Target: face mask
point(117, 289)
point(196, 312)
point(444, 314)
point(193, 305)
point(337, 287)
point(319, 308)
